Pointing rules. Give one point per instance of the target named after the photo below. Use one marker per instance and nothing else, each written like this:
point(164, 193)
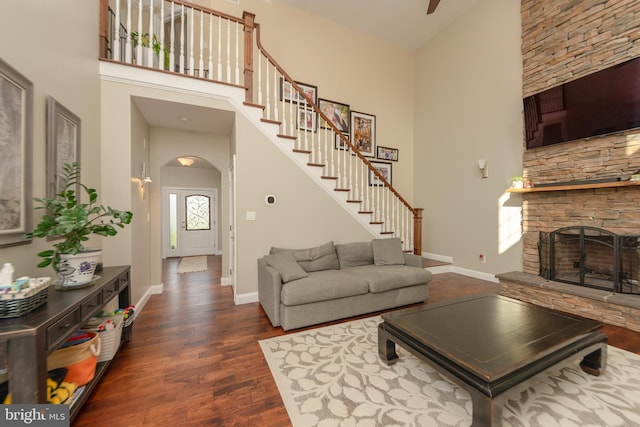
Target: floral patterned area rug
point(332, 376)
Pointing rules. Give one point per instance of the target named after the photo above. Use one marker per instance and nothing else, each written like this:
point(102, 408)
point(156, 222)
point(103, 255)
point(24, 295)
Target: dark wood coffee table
point(489, 343)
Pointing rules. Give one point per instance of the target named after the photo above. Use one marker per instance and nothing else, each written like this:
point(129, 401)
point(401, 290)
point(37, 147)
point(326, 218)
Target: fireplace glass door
point(592, 257)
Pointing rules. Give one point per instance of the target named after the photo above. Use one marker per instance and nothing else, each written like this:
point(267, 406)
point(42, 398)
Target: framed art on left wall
point(16, 142)
point(63, 144)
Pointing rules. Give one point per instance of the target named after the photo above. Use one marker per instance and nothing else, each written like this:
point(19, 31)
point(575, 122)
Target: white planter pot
point(77, 270)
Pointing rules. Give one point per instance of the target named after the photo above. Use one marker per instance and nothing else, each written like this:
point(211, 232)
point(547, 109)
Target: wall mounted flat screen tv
point(601, 103)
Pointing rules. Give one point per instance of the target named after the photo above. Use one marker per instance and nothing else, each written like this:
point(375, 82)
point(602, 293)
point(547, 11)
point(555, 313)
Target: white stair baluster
point(267, 91)
point(220, 49)
point(260, 80)
point(237, 80)
point(182, 15)
point(228, 79)
point(211, 47)
point(163, 46)
point(172, 38)
point(283, 125)
point(192, 62)
point(139, 41)
point(115, 53)
point(276, 113)
point(150, 51)
point(201, 53)
point(128, 46)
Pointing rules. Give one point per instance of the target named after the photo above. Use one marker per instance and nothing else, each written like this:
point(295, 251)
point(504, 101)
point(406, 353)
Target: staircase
point(195, 42)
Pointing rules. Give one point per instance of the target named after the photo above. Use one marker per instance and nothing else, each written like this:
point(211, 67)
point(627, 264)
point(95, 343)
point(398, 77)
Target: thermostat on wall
point(270, 199)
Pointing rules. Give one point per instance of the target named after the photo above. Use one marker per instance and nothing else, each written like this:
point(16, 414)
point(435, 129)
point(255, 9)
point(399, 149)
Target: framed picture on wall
point(307, 119)
point(384, 169)
point(340, 144)
point(16, 140)
point(337, 113)
point(386, 153)
point(63, 144)
point(288, 93)
point(363, 131)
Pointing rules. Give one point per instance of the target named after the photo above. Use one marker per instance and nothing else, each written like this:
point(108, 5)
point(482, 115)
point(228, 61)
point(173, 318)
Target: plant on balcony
point(151, 41)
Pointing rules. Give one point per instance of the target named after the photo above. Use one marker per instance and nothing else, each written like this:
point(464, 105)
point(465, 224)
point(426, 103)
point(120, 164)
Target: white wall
point(468, 106)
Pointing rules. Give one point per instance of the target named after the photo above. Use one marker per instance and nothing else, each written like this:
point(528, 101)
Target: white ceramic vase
point(77, 270)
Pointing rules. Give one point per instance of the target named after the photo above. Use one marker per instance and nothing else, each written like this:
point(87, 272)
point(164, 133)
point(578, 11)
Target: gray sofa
point(302, 287)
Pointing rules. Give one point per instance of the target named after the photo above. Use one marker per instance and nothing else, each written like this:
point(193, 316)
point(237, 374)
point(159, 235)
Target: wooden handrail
point(417, 212)
point(315, 107)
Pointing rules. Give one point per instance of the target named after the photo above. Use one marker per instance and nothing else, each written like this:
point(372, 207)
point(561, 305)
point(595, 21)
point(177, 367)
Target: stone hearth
point(605, 306)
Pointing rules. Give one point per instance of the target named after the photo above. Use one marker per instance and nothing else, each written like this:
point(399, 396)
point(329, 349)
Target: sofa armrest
point(413, 260)
point(269, 288)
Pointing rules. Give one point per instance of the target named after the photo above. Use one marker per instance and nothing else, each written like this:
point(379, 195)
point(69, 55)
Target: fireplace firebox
point(591, 257)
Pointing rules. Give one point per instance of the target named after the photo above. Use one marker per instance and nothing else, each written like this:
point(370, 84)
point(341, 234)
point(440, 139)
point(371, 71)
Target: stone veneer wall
point(561, 41)
point(614, 309)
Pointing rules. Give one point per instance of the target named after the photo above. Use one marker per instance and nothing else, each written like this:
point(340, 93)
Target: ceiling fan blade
point(432, 6)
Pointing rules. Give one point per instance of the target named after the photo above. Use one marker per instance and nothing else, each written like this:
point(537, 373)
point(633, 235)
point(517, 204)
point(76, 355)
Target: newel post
point(417, 231)
point(249, 26)
point(103, 36)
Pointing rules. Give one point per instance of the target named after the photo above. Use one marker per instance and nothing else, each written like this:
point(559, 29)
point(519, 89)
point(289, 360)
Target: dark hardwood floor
point(194, 357)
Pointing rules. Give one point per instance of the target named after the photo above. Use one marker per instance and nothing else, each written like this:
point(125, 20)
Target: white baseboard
point(436, 257)
point(226, 281)
point(246, 298)
point(153, 290)
point(440, 269)
point(475, 274)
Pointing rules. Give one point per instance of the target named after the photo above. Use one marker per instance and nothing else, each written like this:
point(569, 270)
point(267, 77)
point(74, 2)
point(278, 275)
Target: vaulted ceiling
point(404, 23)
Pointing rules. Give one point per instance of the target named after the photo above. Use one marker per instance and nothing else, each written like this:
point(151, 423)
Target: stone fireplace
point(561, 41)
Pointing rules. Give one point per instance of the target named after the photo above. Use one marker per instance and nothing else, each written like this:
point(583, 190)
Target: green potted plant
point(517, 182)
point(68, 219)
point(151, 42)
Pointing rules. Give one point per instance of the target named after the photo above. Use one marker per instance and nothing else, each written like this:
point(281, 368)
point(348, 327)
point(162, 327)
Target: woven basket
point(80, 360)
point(22, 306)
point(109, 340)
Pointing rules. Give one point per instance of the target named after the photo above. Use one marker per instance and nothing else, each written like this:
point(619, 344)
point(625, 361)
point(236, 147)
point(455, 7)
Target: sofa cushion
point(318, 258)
point(354, 254)
point(286, 265)
point(387, 251)
point(322, 286)
point(389, 277)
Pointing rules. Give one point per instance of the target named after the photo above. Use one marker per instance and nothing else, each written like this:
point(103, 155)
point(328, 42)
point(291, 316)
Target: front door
point(191, 228)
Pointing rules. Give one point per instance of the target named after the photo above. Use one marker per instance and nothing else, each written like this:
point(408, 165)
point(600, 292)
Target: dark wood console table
point(29, 339)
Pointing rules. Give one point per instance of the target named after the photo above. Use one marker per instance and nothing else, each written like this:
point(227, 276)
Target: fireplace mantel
point(581, 186)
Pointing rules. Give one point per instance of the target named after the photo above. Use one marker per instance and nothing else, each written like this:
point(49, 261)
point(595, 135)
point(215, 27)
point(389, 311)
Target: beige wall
point(372, 76)
point(468, 106)
point(304, 215)
point(29, 43)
